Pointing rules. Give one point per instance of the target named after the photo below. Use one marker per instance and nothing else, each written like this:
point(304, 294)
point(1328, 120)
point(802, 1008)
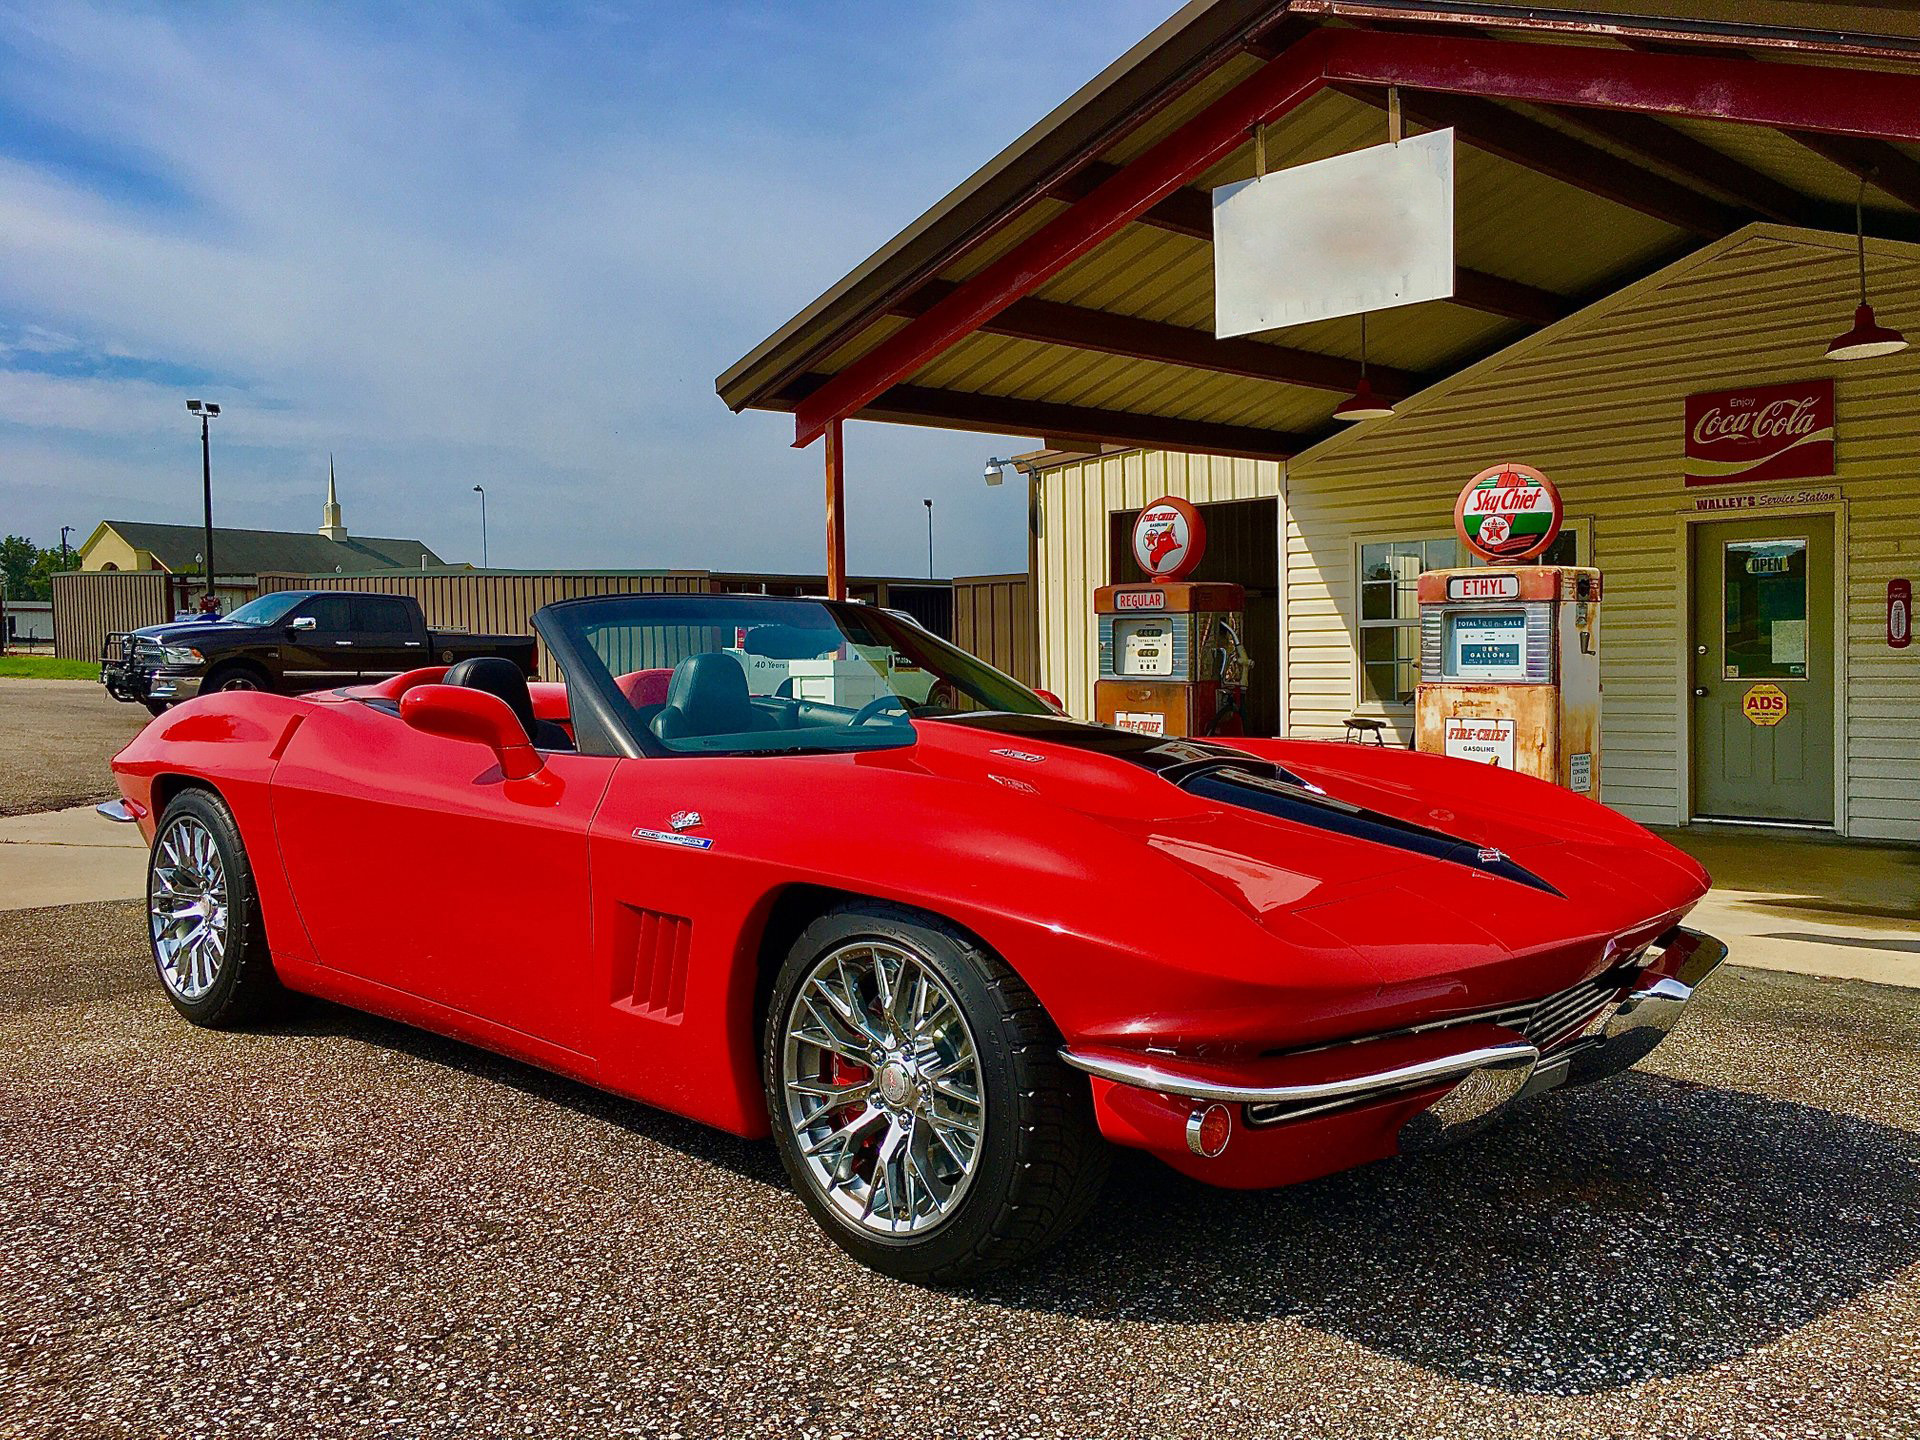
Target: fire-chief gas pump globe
point(1169, 537)
point(1508, 512)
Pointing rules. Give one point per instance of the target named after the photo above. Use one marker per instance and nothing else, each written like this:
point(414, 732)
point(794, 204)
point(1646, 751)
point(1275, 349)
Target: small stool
point(1365, 730)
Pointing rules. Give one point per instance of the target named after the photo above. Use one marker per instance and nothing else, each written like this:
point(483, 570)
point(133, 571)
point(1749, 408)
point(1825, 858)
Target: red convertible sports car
point(801, 868)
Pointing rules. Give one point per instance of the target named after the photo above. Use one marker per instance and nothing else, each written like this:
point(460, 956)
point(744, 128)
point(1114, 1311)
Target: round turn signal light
point(1209, 1130)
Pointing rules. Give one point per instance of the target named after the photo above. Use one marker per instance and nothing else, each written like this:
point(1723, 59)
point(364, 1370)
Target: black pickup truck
point(289, 641)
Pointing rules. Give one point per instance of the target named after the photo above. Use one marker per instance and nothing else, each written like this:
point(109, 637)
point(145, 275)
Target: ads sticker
point(1488, 741)
point(1508, 512)
point(1764, 704)
point(1169, 537)
point(1141, 722)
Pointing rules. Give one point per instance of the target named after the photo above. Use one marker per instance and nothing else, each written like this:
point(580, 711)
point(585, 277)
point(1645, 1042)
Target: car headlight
point(180, 655)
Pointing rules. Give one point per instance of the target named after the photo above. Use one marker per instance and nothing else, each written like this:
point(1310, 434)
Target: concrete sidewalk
point(1811, 904)
point(69, 857)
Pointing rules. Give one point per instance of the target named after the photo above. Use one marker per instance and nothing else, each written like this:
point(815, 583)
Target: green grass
point(45, 667)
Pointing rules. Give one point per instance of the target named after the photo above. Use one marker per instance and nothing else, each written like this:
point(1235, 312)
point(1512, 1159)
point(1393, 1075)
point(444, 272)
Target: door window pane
point(331, 613)
point(1765, 617)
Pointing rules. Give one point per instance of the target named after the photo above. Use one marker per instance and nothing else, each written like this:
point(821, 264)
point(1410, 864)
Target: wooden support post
point(836, 513)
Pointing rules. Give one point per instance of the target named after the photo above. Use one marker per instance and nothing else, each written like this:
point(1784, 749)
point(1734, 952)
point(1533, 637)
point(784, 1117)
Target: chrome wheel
point(882, 1088)
point(240, 682)
point(187, 908)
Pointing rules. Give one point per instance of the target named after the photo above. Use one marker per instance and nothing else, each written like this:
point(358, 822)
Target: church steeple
point(330, 525)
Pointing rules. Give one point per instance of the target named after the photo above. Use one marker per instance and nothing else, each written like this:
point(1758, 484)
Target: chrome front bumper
point(1482, 1080)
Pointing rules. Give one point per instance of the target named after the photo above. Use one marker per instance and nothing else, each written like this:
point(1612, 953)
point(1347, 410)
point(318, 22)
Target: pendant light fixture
point(1868, 338)
point(1363, 404)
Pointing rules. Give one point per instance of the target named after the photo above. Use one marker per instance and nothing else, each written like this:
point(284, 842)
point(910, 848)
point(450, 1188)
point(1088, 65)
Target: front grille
point(1550, 1019)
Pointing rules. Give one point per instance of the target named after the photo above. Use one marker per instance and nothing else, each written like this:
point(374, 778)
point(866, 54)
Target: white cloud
point(452, 246)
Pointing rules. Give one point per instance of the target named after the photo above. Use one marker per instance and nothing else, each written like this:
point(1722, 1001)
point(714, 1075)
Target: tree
point(51, 563)
point(18, 556)
point(29, 570)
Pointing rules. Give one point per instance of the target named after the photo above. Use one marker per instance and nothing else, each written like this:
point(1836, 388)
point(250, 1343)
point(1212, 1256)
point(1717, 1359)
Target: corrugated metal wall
point(1075, 501)
point(89, 605)
point(993, 618)
point(1598, 404)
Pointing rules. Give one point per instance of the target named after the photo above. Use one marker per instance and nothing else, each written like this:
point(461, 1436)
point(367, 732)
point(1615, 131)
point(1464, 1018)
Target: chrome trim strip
point(116, 811)
point(1148, 1075)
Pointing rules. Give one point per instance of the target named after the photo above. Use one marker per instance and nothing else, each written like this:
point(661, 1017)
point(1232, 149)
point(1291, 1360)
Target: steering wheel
point(874, 706)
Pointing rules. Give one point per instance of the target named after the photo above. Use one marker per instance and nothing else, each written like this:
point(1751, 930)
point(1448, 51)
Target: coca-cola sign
point(1769, 432)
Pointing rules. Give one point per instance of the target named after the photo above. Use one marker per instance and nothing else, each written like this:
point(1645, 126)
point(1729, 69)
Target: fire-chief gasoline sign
point(1764, 704)
point(1508, 512)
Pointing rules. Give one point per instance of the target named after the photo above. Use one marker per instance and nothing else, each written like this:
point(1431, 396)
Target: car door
point(419, 868)
point(388, 639)
point(320, 654)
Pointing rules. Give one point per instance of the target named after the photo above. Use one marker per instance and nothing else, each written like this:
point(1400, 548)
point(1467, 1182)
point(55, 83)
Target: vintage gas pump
point(1510, 651)
point(1172, 661)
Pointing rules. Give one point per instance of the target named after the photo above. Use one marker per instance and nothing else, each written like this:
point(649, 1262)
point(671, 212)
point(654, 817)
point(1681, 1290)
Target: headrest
point(710, 692)
point(496, 675)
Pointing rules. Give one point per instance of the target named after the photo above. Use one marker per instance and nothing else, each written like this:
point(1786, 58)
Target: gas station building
point(1660, 226)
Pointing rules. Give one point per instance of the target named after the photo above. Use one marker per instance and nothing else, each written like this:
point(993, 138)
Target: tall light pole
point(481, 491)
point(206, 412)
point(929, 505)
point(65, 530)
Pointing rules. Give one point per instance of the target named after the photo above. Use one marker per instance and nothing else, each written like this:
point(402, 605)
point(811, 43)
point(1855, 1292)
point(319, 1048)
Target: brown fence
point(497, 602)
point(89, 605)
point(989, 615)
point(993, 618)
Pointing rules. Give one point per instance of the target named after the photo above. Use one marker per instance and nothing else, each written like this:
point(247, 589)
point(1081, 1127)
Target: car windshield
point(266, 610)
point(736, 675)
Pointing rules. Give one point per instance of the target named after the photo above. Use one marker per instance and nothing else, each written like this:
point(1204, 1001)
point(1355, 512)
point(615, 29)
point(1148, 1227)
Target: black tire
point(239, 676)
point(242, 986)
point(155, 708)
point(1040, 1158)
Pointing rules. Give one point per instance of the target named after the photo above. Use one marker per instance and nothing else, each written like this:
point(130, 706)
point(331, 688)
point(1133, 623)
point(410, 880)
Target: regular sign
point(1765, 432)
point(1169, 537)
point(1508, 512)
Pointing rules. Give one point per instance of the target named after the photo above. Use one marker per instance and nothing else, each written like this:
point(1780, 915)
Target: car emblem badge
point(669, 837)
point(1490, 856)
point(684, 819)
point(1023, 756)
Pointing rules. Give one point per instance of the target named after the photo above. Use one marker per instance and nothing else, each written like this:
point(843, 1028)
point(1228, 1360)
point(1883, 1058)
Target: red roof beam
point(1204, 141)
point(1879, 104)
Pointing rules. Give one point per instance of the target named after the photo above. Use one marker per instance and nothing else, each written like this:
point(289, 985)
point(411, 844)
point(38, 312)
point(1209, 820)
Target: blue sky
point(500, 244)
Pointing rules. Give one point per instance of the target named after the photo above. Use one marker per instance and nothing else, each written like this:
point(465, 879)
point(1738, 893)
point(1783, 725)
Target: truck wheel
point(203, 915)
point(155, 707)
point(918, 1101)
point(234, 677)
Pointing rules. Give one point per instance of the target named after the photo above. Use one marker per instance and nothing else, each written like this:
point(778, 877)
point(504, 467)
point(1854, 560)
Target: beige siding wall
point(1075, 501)
point(1598, 403)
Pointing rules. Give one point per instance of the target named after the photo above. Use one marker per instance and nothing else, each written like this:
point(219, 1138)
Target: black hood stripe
point(1218, 772)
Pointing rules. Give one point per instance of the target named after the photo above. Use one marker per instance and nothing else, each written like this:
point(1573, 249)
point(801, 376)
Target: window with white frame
point(1389, 616)
point(1390, 573)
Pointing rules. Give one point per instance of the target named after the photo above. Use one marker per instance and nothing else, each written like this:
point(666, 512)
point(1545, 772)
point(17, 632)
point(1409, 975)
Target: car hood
point(193, 632)
point(1392, 856)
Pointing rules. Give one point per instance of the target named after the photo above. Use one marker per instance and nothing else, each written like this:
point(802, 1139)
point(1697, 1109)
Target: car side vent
point(650, 962)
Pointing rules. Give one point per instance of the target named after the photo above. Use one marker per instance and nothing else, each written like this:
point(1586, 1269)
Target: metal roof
point(1558, 205)
point(253, 552)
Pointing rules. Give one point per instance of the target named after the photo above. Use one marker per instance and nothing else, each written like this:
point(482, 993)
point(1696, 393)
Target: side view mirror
point(454, 712)
point(304, 623)
point(1054, 702)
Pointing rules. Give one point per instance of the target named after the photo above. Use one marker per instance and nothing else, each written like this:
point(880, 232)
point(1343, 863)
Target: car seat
point(708, 696)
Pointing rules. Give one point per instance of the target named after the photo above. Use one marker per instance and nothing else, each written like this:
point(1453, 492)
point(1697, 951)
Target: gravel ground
point(346, 1228)
point(57, 736)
